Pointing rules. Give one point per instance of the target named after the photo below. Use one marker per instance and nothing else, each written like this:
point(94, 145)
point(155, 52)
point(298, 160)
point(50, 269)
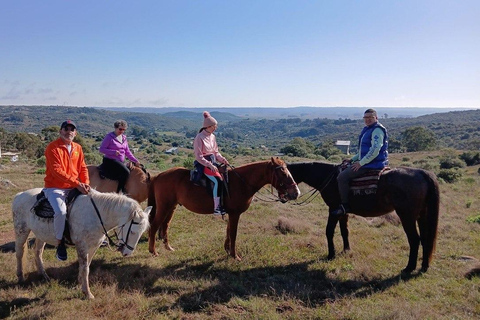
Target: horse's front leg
point(343, 221)
point(330, 231)
point(39, 246)
point(83, 270)
point(20, 252)
point(232, 236)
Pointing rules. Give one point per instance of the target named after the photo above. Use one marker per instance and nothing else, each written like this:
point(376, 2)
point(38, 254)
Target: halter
point(124, 242)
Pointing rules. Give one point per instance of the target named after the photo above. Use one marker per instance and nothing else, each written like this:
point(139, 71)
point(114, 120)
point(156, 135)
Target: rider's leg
point(57, 197)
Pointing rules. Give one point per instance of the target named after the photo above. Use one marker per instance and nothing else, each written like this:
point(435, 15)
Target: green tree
point(299, 147)
point(418, 139)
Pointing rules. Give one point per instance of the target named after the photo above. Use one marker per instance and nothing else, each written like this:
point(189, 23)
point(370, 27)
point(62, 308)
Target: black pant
point(116, 170)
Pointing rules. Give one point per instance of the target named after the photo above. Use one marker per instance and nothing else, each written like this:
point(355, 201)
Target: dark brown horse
point(412, 193)
point(136, 186)
point(173, 187)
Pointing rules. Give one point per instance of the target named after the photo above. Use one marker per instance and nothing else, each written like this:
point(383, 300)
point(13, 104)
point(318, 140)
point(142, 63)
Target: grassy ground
point(284, 273)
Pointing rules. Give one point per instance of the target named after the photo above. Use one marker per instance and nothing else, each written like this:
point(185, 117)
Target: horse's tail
point(432, 214)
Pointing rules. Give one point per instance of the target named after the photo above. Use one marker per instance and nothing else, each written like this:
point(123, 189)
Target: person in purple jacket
point(115, 149)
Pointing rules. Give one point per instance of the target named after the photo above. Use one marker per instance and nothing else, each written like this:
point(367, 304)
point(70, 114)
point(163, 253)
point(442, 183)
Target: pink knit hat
point(208, 120)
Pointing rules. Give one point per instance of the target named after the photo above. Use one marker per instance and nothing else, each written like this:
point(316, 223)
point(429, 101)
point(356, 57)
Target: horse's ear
point(147, 210)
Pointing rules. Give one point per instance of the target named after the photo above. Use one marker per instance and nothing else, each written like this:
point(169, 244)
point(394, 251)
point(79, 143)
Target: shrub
point(450, 163)
point(450, 175)
point(427, 164)
point(471, 158)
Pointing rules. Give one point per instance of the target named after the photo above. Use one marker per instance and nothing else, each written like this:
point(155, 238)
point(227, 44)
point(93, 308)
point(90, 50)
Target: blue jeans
point(57, 197)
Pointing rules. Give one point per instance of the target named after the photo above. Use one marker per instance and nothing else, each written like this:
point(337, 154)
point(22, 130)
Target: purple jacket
point(110, 145)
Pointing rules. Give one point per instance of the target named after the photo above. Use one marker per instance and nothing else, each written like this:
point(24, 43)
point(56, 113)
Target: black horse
point(412, 193)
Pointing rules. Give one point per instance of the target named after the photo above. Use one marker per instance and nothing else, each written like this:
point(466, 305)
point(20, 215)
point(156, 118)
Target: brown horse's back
point(173, 187)
point(99, 184)
point(136, 185)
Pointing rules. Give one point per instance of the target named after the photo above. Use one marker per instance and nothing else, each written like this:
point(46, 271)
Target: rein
point(110, 241)
point(313, 191)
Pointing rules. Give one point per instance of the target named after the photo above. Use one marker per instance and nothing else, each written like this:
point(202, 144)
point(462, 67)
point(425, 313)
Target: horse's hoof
point(169, 248)
point(407, 271)
point(154, 253)
point(237, 257)
point(331, 257)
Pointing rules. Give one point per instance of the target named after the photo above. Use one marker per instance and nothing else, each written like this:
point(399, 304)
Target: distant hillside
point(455, 129)
point(89, 120)
point(296, 112)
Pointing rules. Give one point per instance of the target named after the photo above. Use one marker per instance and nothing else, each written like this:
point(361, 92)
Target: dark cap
point(68, 123)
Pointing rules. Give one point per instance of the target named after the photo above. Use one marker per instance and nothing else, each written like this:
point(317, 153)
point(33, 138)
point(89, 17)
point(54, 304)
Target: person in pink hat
point(206, 153)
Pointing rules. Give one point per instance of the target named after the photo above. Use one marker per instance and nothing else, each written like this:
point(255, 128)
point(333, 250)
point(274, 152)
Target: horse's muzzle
point(291, 194)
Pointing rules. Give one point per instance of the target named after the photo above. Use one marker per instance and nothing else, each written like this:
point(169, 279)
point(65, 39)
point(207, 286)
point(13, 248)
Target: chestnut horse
point(413, 194)
point(136, 186)
point(173, 187)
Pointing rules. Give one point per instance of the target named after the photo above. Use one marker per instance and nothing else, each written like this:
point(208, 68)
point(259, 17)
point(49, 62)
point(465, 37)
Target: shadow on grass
point(295, 281)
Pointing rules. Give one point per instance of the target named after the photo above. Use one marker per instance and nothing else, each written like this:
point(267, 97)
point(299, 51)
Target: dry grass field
point(284, 273)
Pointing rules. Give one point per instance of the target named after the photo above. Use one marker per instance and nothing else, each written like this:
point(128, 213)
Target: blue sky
point(410, 53)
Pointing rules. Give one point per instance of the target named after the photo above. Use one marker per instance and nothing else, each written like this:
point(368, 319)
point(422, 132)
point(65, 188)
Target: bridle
point(120, 243)
point(281, 184)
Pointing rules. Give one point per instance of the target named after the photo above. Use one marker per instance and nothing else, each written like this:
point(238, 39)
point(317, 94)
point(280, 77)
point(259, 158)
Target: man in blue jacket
point(372, 155)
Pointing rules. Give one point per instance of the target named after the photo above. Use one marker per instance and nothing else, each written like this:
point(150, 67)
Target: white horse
point(86, 230)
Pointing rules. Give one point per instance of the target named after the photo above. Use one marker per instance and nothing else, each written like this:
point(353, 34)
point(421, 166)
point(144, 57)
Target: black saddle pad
point(43, 208)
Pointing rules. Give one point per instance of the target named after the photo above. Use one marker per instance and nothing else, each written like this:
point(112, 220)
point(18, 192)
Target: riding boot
point(218, 207)
point(342, 210)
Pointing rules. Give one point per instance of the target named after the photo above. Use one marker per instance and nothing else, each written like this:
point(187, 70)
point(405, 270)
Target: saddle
point(43, 209)
point(199, 179)
point(367, 183)
point(103, 173)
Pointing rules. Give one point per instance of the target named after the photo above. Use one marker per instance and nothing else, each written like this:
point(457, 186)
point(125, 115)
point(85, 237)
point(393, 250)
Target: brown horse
point(412, 193)
point(173, 187)
point(136, 186)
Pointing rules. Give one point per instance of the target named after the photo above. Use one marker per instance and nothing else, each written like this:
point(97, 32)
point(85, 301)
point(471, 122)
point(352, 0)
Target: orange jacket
point(65, 171)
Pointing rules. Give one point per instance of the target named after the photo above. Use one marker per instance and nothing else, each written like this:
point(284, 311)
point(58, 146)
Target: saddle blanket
point(367, 183)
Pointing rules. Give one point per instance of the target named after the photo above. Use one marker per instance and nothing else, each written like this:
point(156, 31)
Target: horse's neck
point(111, 215)
point(254, 175)
point(314, 174)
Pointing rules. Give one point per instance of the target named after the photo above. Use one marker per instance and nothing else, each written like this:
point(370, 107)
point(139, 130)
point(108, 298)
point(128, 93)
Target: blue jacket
point(365, 144)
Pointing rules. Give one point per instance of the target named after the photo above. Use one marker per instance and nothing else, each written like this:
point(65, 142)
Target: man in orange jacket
point(66, 169)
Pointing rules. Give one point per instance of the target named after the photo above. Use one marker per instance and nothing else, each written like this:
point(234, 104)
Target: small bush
point(450, 163)
point(427, 164)
point(450, 175)
point(471, 158)
point(41, 161)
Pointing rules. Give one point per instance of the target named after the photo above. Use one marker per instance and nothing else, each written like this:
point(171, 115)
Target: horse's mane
point(114, 202)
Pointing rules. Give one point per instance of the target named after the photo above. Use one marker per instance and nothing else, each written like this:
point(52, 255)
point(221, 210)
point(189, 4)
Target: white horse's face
point(130, 234)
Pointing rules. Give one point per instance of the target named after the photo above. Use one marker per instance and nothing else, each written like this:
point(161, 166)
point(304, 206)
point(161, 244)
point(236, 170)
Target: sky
point(227, 53)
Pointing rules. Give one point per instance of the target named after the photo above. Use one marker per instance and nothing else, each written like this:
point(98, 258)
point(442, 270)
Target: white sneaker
point(219, 211)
